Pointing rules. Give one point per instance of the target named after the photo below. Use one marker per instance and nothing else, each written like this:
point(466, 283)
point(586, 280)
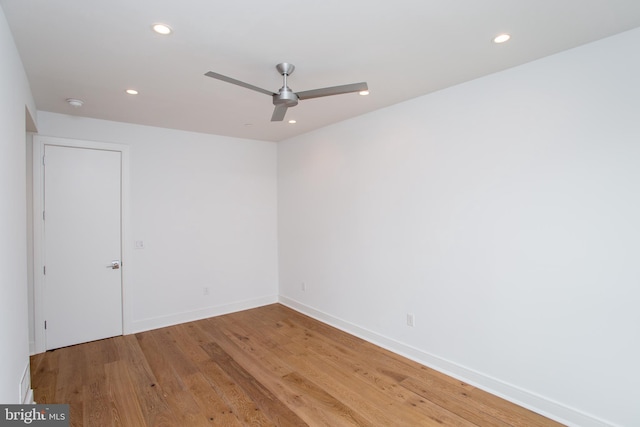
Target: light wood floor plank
point(153, 405)
point(281, 378)
point(97, 402)
point(208, 399)
point(264, 399)
point(182, 403)
point(72, 370)
point(242, 406)
point(269, 366)
point(125, 409)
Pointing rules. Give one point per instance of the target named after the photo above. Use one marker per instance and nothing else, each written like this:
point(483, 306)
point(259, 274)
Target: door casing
point(39, 302)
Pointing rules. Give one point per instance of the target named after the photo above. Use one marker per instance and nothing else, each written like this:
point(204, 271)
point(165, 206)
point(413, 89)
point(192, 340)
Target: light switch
point(139, 244)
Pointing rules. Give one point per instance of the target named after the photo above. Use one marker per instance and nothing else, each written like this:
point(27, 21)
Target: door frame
point(126, 242)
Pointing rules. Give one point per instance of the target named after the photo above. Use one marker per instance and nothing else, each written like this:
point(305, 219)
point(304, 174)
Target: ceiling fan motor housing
point(285, 96)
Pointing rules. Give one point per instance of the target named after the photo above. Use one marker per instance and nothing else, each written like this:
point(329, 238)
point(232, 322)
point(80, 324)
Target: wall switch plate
point(205, 291)
point(303, 286)
point(139, 244)
point(410, 320)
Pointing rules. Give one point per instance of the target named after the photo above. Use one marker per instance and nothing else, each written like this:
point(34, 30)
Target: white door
point(82, 247)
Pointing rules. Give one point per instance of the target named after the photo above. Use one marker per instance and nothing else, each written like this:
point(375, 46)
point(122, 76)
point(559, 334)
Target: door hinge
point(43, 160)
point(43, 215)
point(45, 324)
point(44, 270)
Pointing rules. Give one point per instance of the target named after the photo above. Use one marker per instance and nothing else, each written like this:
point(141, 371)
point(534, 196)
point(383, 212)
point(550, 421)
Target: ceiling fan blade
point(278, 113)
point(334, 90)
point(238, 82)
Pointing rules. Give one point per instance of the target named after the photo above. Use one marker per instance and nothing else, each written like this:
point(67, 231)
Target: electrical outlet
point(205, 291)
point(410, 320)
point(303, 286)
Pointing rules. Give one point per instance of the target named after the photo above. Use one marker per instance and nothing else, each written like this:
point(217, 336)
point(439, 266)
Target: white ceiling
point(95, 49)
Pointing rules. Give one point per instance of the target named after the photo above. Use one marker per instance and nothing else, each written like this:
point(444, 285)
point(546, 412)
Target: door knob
point(114, 265)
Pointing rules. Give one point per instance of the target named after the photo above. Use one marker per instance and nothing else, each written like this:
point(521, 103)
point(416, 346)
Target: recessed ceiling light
point(75, 103)
point(292, 121)
point(501, 38)
point(364, 92)
point(131, 91)
point(163, 29)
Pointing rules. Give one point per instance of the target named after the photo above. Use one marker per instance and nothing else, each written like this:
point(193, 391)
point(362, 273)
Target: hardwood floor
point(269, 366)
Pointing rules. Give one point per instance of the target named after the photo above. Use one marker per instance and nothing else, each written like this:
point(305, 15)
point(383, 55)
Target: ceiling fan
point(285, 97)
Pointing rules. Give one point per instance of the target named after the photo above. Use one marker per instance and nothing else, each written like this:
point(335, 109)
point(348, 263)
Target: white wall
point(205, 208)
point(15, 95)
point(503, 213)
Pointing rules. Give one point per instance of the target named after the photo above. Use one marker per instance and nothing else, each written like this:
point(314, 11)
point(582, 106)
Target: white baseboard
point(24, 388)
point(190, 316)
point(540, 404)
point(29, 398)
